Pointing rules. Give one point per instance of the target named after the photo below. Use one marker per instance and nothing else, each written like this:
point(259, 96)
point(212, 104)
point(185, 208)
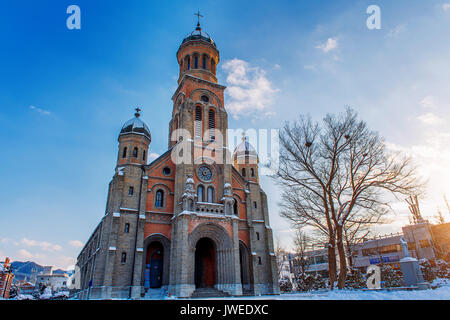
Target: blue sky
point(64, 94)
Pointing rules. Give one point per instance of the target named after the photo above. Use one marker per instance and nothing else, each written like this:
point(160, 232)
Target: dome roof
point(198, 34)
point(136, 126)
point(245, 149)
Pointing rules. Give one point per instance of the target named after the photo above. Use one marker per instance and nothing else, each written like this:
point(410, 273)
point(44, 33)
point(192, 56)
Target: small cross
point(198, 17)
point(137, 114)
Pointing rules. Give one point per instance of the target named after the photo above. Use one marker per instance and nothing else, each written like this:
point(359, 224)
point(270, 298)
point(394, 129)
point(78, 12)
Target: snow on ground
point(442, 293)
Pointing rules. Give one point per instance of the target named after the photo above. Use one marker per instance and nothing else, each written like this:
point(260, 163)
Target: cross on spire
point(137, 114)
point(198, 18)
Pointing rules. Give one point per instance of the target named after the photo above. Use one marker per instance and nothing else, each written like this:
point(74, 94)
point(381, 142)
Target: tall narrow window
point(235, 207)
point(159, 201)
point(187, 63)
point(213, 66)
point(254, 204)
point(259, 260)
point(124, 154)
point(204, 62)
point(198, 122)
point(243, 172)
point(135, 152)
point(196, 62)
point(200, 193)
point(257, 236)
point(124, 257)
point(131, 191)
point(143, 155)
point(212, 124)
point(210, 194)
point(252, 172)
point(127, 228)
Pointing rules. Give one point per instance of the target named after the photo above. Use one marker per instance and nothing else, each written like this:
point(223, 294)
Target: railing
point(206, 207)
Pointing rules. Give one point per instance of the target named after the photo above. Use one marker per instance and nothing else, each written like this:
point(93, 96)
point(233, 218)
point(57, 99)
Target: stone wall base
point(181, 290)
point(262, 289)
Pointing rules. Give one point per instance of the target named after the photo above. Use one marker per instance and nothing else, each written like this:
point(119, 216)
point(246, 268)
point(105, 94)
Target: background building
point(6, 278)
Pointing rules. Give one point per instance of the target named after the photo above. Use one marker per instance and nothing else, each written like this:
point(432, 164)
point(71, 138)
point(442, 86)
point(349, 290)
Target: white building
point(55, 281)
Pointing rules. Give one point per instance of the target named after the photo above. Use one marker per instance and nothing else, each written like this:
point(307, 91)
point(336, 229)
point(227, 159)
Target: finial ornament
point(137, 114)
point(198, 19)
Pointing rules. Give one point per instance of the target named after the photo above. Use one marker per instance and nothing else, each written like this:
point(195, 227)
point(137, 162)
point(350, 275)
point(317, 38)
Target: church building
point(194, 222)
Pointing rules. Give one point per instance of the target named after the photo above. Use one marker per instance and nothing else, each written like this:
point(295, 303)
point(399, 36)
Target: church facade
point(193, 219)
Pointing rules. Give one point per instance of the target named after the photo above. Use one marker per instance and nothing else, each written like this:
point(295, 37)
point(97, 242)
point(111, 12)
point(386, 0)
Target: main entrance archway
point(154, 265)
point(205, 263)
point(155, 261)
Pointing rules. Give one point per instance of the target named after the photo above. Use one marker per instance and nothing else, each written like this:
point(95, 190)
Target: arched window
point(204, 62)
point(127, 227)
point(159, 201)
point(210, 194)
point(212, 124)
point(135, 152)
point(259, 260)
point(143, 155)
point(200, 193)
point(235, 207)
point(243, 172)
point(187, 63)
point(123, 258)
point(213, 66)
point(198, 122)
point(196, 62)
point(252, 172)
point(124, 154)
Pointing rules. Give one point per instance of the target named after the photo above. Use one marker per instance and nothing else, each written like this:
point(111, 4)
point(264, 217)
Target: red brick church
point(194, 221)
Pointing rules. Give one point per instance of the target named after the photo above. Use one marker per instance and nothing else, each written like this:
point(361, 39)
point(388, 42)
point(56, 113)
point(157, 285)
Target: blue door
point(156, 273)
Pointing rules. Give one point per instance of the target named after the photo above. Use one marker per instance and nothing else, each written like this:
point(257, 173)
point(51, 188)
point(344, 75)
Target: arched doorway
point(205, 263)
point(154, 265)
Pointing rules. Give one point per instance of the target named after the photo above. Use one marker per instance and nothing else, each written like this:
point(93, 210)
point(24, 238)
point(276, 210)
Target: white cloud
point(41, 111)
point(24, 254)
point(432, 157)
point(153, 155)
point(430, 119)
point(428, 102)
point(44, 245)
point(249, 90)
point(76, 243)
point(331, 44)
point(446, 6)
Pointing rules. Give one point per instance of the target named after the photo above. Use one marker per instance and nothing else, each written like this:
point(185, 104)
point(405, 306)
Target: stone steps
point(208, 292)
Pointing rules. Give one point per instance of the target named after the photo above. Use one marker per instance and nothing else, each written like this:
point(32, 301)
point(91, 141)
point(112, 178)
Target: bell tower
point(134, 141)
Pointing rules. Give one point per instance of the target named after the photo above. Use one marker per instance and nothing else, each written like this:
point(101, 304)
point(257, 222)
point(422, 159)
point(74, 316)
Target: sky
point(65, 94)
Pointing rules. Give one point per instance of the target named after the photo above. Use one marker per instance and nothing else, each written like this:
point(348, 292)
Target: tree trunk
point(332, 261)
point(342, 258)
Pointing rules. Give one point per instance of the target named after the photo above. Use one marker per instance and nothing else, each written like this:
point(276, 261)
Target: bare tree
point(302, 243)
point(305, 177)
point(337, 175)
